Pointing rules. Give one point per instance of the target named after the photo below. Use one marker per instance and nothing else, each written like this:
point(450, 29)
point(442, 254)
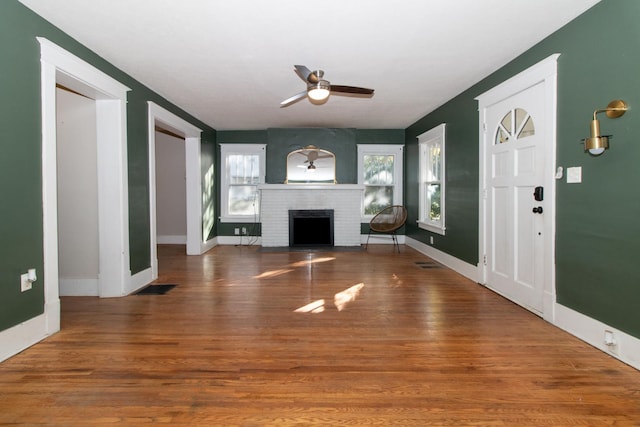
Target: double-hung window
point(243, 169)
point(380, 171)
point(432, 179)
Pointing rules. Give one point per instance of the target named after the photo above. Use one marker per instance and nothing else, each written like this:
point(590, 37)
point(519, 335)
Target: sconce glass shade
point(597, 143)
point(319, 91)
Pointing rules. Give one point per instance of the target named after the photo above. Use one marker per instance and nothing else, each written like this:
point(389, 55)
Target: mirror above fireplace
point(311, 165)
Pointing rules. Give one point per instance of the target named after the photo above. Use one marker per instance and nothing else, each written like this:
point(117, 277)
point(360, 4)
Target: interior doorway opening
point(160, 118)
point(171, 191)
point(77, 192)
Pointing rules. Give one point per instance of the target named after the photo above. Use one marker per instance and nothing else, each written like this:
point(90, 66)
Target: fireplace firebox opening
point(311, 227)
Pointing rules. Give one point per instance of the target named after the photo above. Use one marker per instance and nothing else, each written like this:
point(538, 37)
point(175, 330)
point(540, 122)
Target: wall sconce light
point(597, 143)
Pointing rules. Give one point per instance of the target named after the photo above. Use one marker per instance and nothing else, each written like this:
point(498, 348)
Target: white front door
point(518, 145)
point(516, 161)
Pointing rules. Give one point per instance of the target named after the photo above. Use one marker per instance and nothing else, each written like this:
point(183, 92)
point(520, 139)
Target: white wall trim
point(193, 183)
point(210, 244)
point(59, 65)
point(591, 331)
point(140, 280)
point(544, 72)
point(193, 156)
point(22, 336)
point(79, 287)
point(172, 240)
point(585, 328)
point(382, 239)
point(238, 240)
point(469, 271)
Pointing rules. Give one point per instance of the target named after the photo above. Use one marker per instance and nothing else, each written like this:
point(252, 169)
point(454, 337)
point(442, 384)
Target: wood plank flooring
point(368, 338)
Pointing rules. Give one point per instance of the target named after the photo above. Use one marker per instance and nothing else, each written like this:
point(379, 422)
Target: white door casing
point(193, 182)
point(517, 248)
point(60, 66)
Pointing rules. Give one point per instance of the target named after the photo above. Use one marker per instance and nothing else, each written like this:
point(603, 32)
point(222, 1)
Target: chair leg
point(395, 242)
point(366, 246)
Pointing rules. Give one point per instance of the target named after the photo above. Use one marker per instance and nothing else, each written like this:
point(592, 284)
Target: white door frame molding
point(195, 243)
point(60, 66)
point(544, 72)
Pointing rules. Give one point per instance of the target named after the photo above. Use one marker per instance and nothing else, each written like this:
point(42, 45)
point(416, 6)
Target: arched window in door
point(516, 124)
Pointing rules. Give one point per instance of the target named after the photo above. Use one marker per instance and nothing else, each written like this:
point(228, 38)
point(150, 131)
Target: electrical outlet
point(25, 283)
point(609, 339)
point(236, 231)
point(431, 240)
point(244, 230)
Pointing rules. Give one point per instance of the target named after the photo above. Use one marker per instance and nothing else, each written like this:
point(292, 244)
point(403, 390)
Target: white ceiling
point(230, 63)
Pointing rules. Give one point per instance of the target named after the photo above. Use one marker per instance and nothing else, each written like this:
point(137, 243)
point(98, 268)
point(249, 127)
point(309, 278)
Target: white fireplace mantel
point(277, 199)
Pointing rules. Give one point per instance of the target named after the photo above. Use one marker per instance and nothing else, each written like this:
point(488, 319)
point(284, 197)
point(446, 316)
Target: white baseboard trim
point(78, 287)
point(22, 336)
point(139, 281)
point(239, 240)
point(591, 331)
point(171, 240)
point(381, 239)
point(469, 271)
point(585, 328)
point(209, 244)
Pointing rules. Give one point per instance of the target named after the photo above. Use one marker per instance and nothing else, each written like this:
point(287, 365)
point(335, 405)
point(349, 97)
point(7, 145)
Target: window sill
point(241, 219)
point(431, 227)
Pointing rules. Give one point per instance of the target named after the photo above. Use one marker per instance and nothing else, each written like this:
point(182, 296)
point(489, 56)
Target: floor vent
point(155, 289)
point(428, 264)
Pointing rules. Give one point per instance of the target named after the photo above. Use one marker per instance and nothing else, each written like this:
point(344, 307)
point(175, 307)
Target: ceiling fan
point(318, 89)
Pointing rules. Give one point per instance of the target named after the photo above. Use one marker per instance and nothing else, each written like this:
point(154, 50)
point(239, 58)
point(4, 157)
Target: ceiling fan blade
point(351, 89)
point(294, 98)
point(306, 74)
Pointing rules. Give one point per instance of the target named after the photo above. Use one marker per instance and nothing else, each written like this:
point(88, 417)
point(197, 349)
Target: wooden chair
point(388, 221)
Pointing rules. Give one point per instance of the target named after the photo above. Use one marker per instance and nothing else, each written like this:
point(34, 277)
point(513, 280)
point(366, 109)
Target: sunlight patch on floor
point(340, 300)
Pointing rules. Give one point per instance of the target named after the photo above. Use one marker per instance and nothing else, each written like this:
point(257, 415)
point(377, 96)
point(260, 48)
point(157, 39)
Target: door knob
point(537, 210)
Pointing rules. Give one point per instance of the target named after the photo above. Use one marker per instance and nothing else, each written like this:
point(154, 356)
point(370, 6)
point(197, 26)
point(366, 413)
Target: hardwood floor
point(253, 338)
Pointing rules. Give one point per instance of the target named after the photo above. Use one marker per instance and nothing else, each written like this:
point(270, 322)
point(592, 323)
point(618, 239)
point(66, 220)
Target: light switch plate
point(574, 175)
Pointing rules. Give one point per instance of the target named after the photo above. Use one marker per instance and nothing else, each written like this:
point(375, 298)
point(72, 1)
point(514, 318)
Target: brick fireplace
point(276, 200)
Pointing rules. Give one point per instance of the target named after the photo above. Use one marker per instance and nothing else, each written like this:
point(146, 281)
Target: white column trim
point(195, 241)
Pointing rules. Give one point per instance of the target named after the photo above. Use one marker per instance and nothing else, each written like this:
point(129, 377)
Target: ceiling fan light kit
point(318, 89)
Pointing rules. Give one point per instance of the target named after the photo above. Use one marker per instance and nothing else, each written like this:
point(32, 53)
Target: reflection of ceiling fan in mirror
point(318, 89)
point(312, 153)
point(311, 164)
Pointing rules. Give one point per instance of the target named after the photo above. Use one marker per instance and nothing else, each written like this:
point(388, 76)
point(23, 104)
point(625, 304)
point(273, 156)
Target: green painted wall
point(281, 141)
point(597, 221)
point(20, 166)
point(21, 244)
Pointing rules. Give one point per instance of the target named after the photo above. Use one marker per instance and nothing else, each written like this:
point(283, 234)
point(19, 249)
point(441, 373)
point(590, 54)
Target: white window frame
point(395, 150)
point(427, 140)
point(246, 149)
